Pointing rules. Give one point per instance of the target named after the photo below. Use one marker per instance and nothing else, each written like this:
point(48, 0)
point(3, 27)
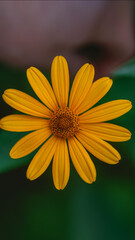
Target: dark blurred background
point(99, 32)
point(33, 32)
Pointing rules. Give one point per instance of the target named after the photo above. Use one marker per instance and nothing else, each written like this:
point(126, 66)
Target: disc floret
point(64, 123)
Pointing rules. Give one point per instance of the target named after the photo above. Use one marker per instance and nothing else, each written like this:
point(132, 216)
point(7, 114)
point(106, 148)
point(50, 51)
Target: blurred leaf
point(127, 69)
point(124, 88)
point(7, 140)
point(104, 210)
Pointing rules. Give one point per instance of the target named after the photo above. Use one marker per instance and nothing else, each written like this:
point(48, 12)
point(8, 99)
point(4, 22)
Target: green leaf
point(124, 87)
point(7, 140)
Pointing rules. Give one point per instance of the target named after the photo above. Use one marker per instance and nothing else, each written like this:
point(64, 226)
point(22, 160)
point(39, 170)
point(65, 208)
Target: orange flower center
point(64, 123)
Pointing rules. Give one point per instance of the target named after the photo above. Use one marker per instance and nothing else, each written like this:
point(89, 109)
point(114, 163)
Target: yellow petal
point(107, 131)
point(42, 159)
point(61, 165)
point(29, 143)
point(106, 111)
point(22, 123)
point(41, 87)
point(99, 148)
point(60, 80)
point(81, 85)
point(25, 103)
point(98, 89)
point(82, 161)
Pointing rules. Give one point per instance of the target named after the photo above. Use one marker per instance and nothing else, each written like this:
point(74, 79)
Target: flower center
point(64, 123)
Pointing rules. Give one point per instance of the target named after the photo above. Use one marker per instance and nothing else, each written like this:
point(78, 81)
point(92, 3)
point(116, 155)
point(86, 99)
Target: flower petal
point(25, 103)
point(99, 148)
point(41, 87)
point(22, 123)
point(82, 161)
point(106, 111)
point(61, 165)
point(29, 143)
point(60, 80)
point(98, 89)
point(107, 131)
point(81, 85)
point(42, 159)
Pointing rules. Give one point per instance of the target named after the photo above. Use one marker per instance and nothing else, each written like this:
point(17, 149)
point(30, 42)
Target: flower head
point(65, 124)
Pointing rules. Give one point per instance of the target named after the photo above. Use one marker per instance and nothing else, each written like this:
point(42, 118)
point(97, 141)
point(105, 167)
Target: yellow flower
point(65, 126)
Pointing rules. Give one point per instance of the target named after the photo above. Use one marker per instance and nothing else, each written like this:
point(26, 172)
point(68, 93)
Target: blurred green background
point(36, 210)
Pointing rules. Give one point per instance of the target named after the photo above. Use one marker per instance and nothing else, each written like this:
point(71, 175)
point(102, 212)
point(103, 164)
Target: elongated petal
point(106, 111)
point(96, 92)
point(29, 143)
point(42, 159)
point(25, 103)
point(22, 123)
point(99, 148)
point(41, 87)
point(81, 85)
point(60, 80)
point(107, 131)
point(61, 165)
point(82, 161)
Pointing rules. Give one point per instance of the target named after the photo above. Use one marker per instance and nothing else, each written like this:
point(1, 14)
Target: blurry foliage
point(36, 210)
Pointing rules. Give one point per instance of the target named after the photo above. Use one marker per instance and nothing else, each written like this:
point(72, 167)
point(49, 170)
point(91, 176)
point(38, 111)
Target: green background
point(36, 210)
